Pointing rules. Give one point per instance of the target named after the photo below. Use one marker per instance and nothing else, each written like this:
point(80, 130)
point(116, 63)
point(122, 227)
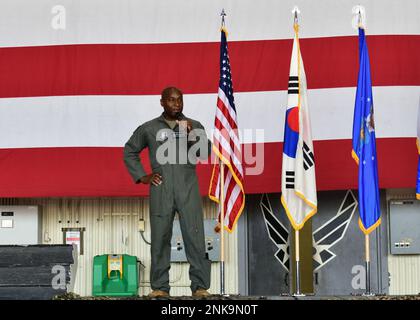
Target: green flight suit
point(178, 192)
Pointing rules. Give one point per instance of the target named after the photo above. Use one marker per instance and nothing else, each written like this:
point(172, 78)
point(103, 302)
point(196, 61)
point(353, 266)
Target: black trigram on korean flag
point(293, 85)
point(290, 179)
point(308, 157)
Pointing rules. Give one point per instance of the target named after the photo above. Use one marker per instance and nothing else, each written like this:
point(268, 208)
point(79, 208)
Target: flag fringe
point(355, 157)
point(300, 195)
point(215, 199)
point(371, 228)
point(296, 226)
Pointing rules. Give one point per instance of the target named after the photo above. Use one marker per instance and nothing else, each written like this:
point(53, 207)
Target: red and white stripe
point(69, 99)
point(227, 147)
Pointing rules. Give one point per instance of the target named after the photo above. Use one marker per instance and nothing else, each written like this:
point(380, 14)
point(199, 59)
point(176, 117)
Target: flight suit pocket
point(160, 197)
point(155, 200)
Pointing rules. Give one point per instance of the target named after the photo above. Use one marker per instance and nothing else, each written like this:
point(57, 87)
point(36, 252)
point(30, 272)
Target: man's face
point(172, 104)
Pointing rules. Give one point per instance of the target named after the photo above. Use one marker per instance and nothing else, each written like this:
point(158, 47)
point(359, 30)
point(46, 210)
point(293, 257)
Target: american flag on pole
point(298, 183)
point(226, 146)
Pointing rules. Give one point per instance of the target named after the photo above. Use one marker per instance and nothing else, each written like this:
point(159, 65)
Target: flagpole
point(297, 253)
point(359, 11)
point(295, 12)
point(222, 223)
point(222, 207)
point(367, 259)
point(297, 259)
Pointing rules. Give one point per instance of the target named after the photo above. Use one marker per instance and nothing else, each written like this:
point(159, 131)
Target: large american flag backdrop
point(77, 77)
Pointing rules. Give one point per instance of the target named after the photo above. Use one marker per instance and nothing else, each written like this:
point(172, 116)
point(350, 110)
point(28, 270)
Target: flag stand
point(367, 261)
point(296, 12)
point(297, 259)
point(222, 223)
point(363, 152)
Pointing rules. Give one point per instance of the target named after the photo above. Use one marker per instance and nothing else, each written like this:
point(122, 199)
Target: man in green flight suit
point(174, 142)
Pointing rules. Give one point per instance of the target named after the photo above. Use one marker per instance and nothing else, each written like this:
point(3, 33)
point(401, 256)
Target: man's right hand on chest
point(154, 178)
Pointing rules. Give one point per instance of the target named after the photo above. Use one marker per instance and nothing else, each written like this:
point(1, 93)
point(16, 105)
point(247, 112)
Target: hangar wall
point(111, 227)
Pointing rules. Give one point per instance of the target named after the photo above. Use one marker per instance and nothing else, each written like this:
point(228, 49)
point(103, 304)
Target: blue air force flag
point(364, 145)
point(298, 184)
point(418, 149)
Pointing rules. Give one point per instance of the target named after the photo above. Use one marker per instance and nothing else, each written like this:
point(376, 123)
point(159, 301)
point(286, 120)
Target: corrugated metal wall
point(404, 270)
point(111, 227)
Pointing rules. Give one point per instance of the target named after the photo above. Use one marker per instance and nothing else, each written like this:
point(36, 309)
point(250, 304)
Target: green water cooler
point(115, 275)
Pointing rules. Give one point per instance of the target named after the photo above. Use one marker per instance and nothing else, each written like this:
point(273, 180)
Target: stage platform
point(71, 296)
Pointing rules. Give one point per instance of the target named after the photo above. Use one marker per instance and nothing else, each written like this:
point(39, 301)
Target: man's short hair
point(168, 90)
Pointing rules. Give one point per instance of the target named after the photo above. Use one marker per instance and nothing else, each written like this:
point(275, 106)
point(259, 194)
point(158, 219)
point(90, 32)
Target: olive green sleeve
point(132, 148)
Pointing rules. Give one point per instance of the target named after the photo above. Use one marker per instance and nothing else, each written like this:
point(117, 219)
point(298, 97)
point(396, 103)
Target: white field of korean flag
point(77, 78)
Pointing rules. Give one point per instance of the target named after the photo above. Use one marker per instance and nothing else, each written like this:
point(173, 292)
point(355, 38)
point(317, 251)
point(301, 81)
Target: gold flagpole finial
point(296, 13)
point(223, 15)
point(359, 17)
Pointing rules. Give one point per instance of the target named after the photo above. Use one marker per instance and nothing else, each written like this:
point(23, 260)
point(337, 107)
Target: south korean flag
point(298, 183)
